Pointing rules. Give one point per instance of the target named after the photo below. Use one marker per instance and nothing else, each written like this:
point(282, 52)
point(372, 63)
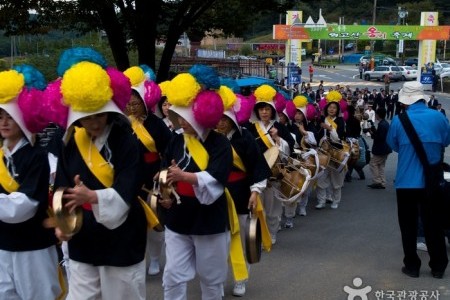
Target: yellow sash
point(103, 171)
point(6, 180)
point(332, 123)
point(237, 259)
point(143, 135)
point(196, 149)
point(265, 233)
point(237, 161)
point(263, 135)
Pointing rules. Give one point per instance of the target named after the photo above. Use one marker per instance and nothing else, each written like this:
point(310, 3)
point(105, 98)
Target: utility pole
point(374, 17)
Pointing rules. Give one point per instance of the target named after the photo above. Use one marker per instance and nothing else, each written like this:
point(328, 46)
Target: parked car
point(408, 73)
point(349, 46)
point(441, 68)
point(380, 72)
point(411, 61)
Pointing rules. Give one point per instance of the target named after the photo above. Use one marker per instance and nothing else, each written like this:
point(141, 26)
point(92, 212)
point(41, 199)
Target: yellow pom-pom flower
point(300, 101)
point(135, 74)
point(11, 85)
point(228, 96)
point(265, 93)
point(333, 96)
point(164, 86)
point(86, 87)
point(182, 90)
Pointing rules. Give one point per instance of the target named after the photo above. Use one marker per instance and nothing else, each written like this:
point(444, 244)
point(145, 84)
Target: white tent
point(442, 76)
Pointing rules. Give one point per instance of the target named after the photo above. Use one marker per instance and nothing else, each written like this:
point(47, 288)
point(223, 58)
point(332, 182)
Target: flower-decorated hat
point(264, 94)
point(20, 96)
point(201, 108)
point(148, 90)
point(87, 86)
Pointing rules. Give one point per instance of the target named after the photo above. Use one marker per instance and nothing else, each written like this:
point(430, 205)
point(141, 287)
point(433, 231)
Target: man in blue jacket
point(433, 130)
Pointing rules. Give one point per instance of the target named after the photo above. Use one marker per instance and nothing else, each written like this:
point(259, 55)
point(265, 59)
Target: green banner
point(379, 32)
point(362, 32)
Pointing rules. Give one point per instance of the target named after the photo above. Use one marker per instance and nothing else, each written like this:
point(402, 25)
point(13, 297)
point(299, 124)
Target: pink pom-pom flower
point(291, 110)
point(343, 105)
point(245, 110)
point(208, 108)
point(121, 86)
point(345, 115)
point(280, 102)
point(322, 104)
point(152, 94)
point(311, 112)
point(35, 118)
point(52, 103)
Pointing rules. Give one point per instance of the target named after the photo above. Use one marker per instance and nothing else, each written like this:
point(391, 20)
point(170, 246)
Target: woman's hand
point(79, 195)
point(326, 126)
point(175, 174)
point(166, 203)
point(252, 201)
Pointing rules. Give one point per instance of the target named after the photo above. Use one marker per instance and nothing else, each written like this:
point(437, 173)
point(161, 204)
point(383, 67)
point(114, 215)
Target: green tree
point(136, 23)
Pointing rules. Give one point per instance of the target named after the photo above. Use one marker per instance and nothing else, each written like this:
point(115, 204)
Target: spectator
point(412, 198)
point(433, 102)
point(439, 108)
point(361, 70)
point(390, 104)
point(380, 150)
point(311, 73)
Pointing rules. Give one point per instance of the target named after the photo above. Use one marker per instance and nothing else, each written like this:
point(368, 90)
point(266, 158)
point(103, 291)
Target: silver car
point(408, 73)
point(380, 72)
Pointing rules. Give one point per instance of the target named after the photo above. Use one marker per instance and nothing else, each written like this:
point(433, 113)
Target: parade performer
point(249, 173)
point(100, 166)
point(334, 133)
point(198, 162)
point(154, 136)
point(270, 133)
point(27, 249)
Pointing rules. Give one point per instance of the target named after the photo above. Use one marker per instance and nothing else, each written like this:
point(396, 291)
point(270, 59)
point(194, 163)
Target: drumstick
point(260, 137)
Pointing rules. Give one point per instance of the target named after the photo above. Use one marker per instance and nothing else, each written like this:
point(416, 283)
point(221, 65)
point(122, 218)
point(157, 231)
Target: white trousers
point(29, 275)
point(272, 207)
point(155, 241)
point(188, 255)
point(88, 282)
point(290, 209)
point(333, 180)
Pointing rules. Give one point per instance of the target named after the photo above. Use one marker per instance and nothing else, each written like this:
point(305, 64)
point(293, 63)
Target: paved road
point(328, 249)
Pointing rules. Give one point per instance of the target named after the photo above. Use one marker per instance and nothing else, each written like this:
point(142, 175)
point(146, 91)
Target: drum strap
point(143, 135)
point(263, 135)
point(6, 180)
point(237, 259)
point(103, 171)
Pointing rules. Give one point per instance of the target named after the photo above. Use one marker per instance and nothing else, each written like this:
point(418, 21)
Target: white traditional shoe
point(320, 206)
point(334, 205)
point(289, 223)
point(422, 246)
point(274, 238)
point(239, 289)
point(302, 211)
point(153, 269)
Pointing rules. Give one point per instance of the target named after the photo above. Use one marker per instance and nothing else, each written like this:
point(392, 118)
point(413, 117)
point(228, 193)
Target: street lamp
point(296, 23)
